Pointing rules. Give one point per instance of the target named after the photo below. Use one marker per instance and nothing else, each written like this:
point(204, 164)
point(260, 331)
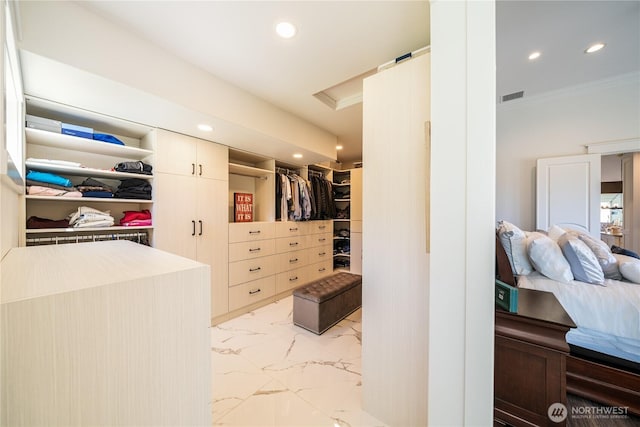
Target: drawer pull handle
point(193, 168)
point(293, 229)
point(322, 240)
point(322, 253)
point(322, 227)
point(293, 244)
point(321, 269)
point(254, 249)
point(200, 167)
point(254, 232)
point(193, 233)
point(255, 291)
point(200, 233)
point(293, 279)
point(251, 270)
point(292, 260)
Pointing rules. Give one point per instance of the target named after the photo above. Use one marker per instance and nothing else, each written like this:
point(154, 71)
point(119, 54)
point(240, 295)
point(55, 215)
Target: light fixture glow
point(286, 30)
point(338, 147)
point(205, 128)
point(534, 55)
point(297, 155)
point(594, 48)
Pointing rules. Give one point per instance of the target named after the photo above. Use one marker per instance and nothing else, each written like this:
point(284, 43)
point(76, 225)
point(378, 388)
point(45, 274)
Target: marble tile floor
point(269, 372)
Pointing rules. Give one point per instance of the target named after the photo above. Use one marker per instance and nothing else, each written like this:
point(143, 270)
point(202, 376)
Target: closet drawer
point(319, 269)
point(291, 279)
point(318, 227)
point(319, 239)
point(320, 253)
point(251, 292)
point(251, 269)
point(290, 228)
point(249, 250)
point(291, 260)
point(250, 231)
point(288, 244)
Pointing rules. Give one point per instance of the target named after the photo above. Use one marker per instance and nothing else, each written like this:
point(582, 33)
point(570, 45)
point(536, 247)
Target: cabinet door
point(212, 161)
point(175, 153)
point(356, 194)
point(174, 213)
point(213, 237)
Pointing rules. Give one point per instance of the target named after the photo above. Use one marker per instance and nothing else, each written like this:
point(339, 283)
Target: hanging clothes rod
point(316, 173)
point(286, 171)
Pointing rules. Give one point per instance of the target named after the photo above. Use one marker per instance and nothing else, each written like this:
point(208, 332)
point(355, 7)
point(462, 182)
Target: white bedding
point(610, 309)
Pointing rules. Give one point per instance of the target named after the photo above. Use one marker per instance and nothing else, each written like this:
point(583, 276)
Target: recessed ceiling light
point(205, 128)
point(286, 30)
point(534, 55)
point(297, 156)
point(338, 147)
point(594, 48)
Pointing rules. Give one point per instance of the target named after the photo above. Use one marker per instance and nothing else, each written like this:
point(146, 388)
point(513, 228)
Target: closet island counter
point(104, 333)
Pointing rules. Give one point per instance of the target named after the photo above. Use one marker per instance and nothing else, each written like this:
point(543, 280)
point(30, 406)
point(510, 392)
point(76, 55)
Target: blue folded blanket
point(48, 178)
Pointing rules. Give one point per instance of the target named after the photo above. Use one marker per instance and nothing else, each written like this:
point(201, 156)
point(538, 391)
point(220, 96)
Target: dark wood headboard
point(503, 267)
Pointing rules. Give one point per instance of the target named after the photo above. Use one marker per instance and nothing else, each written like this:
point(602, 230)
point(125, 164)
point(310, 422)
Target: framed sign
point(243, 207)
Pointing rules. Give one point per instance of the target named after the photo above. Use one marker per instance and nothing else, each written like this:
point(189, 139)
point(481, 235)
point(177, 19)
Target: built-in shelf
point(341, 219)
point(69, 142)
point(80, 171)
point(88, 199)
point(238, 169)
point(341, 200)
point(81, 229)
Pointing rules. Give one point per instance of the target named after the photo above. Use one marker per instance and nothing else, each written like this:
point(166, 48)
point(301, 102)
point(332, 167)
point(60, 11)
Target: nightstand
point(530, 360)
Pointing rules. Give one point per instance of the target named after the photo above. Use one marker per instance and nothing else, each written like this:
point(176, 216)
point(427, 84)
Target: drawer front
point(292, 260)
point(288, 244)
point(319, 269)
point(291, 279)
point(249, 250)
point(250, 231)
point(320, 253)
point(320, 227)
point(290, 228)
point(320, 239)
point(251, 292)
point(251, 269)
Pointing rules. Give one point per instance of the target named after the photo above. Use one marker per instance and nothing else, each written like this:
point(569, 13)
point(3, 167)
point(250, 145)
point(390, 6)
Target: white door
point(568, 193)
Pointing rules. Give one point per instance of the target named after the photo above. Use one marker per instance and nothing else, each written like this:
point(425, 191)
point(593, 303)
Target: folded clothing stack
point(93, 188)
point(136, 218)
point(134, 167)
point(36, 222)
point(48, 178)
point(89, 217)
point(134, 188)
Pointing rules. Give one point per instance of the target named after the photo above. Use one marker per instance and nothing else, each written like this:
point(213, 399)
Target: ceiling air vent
point(512, 96)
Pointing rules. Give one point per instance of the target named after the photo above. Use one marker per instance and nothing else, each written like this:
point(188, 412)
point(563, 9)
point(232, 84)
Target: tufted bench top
point(328, 287)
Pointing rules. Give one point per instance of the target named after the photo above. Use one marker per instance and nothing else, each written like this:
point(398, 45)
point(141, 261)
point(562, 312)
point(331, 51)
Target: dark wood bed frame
point(596, 381)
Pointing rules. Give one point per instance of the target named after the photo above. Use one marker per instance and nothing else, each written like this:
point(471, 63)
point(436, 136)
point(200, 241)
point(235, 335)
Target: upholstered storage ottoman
point(322, 303)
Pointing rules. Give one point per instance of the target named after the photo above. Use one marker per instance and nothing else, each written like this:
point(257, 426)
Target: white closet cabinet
point(191, 214)
point(356, 221)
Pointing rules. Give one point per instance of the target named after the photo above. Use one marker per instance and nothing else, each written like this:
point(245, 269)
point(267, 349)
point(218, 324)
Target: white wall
point(69, 33)
point(557, 124)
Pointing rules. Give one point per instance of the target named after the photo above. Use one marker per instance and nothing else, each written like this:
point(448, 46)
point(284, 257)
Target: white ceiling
point(561, 31)
point(235, 41)
point(338, 40)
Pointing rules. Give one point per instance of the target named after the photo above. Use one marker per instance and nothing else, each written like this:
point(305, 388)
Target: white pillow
point(607, 261)
point(547, 258)
point(514, 242)
point(584, 263)
point(555, 232)
point(629, 267)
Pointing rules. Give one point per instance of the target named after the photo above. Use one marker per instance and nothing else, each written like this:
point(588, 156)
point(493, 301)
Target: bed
point(604, 360)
